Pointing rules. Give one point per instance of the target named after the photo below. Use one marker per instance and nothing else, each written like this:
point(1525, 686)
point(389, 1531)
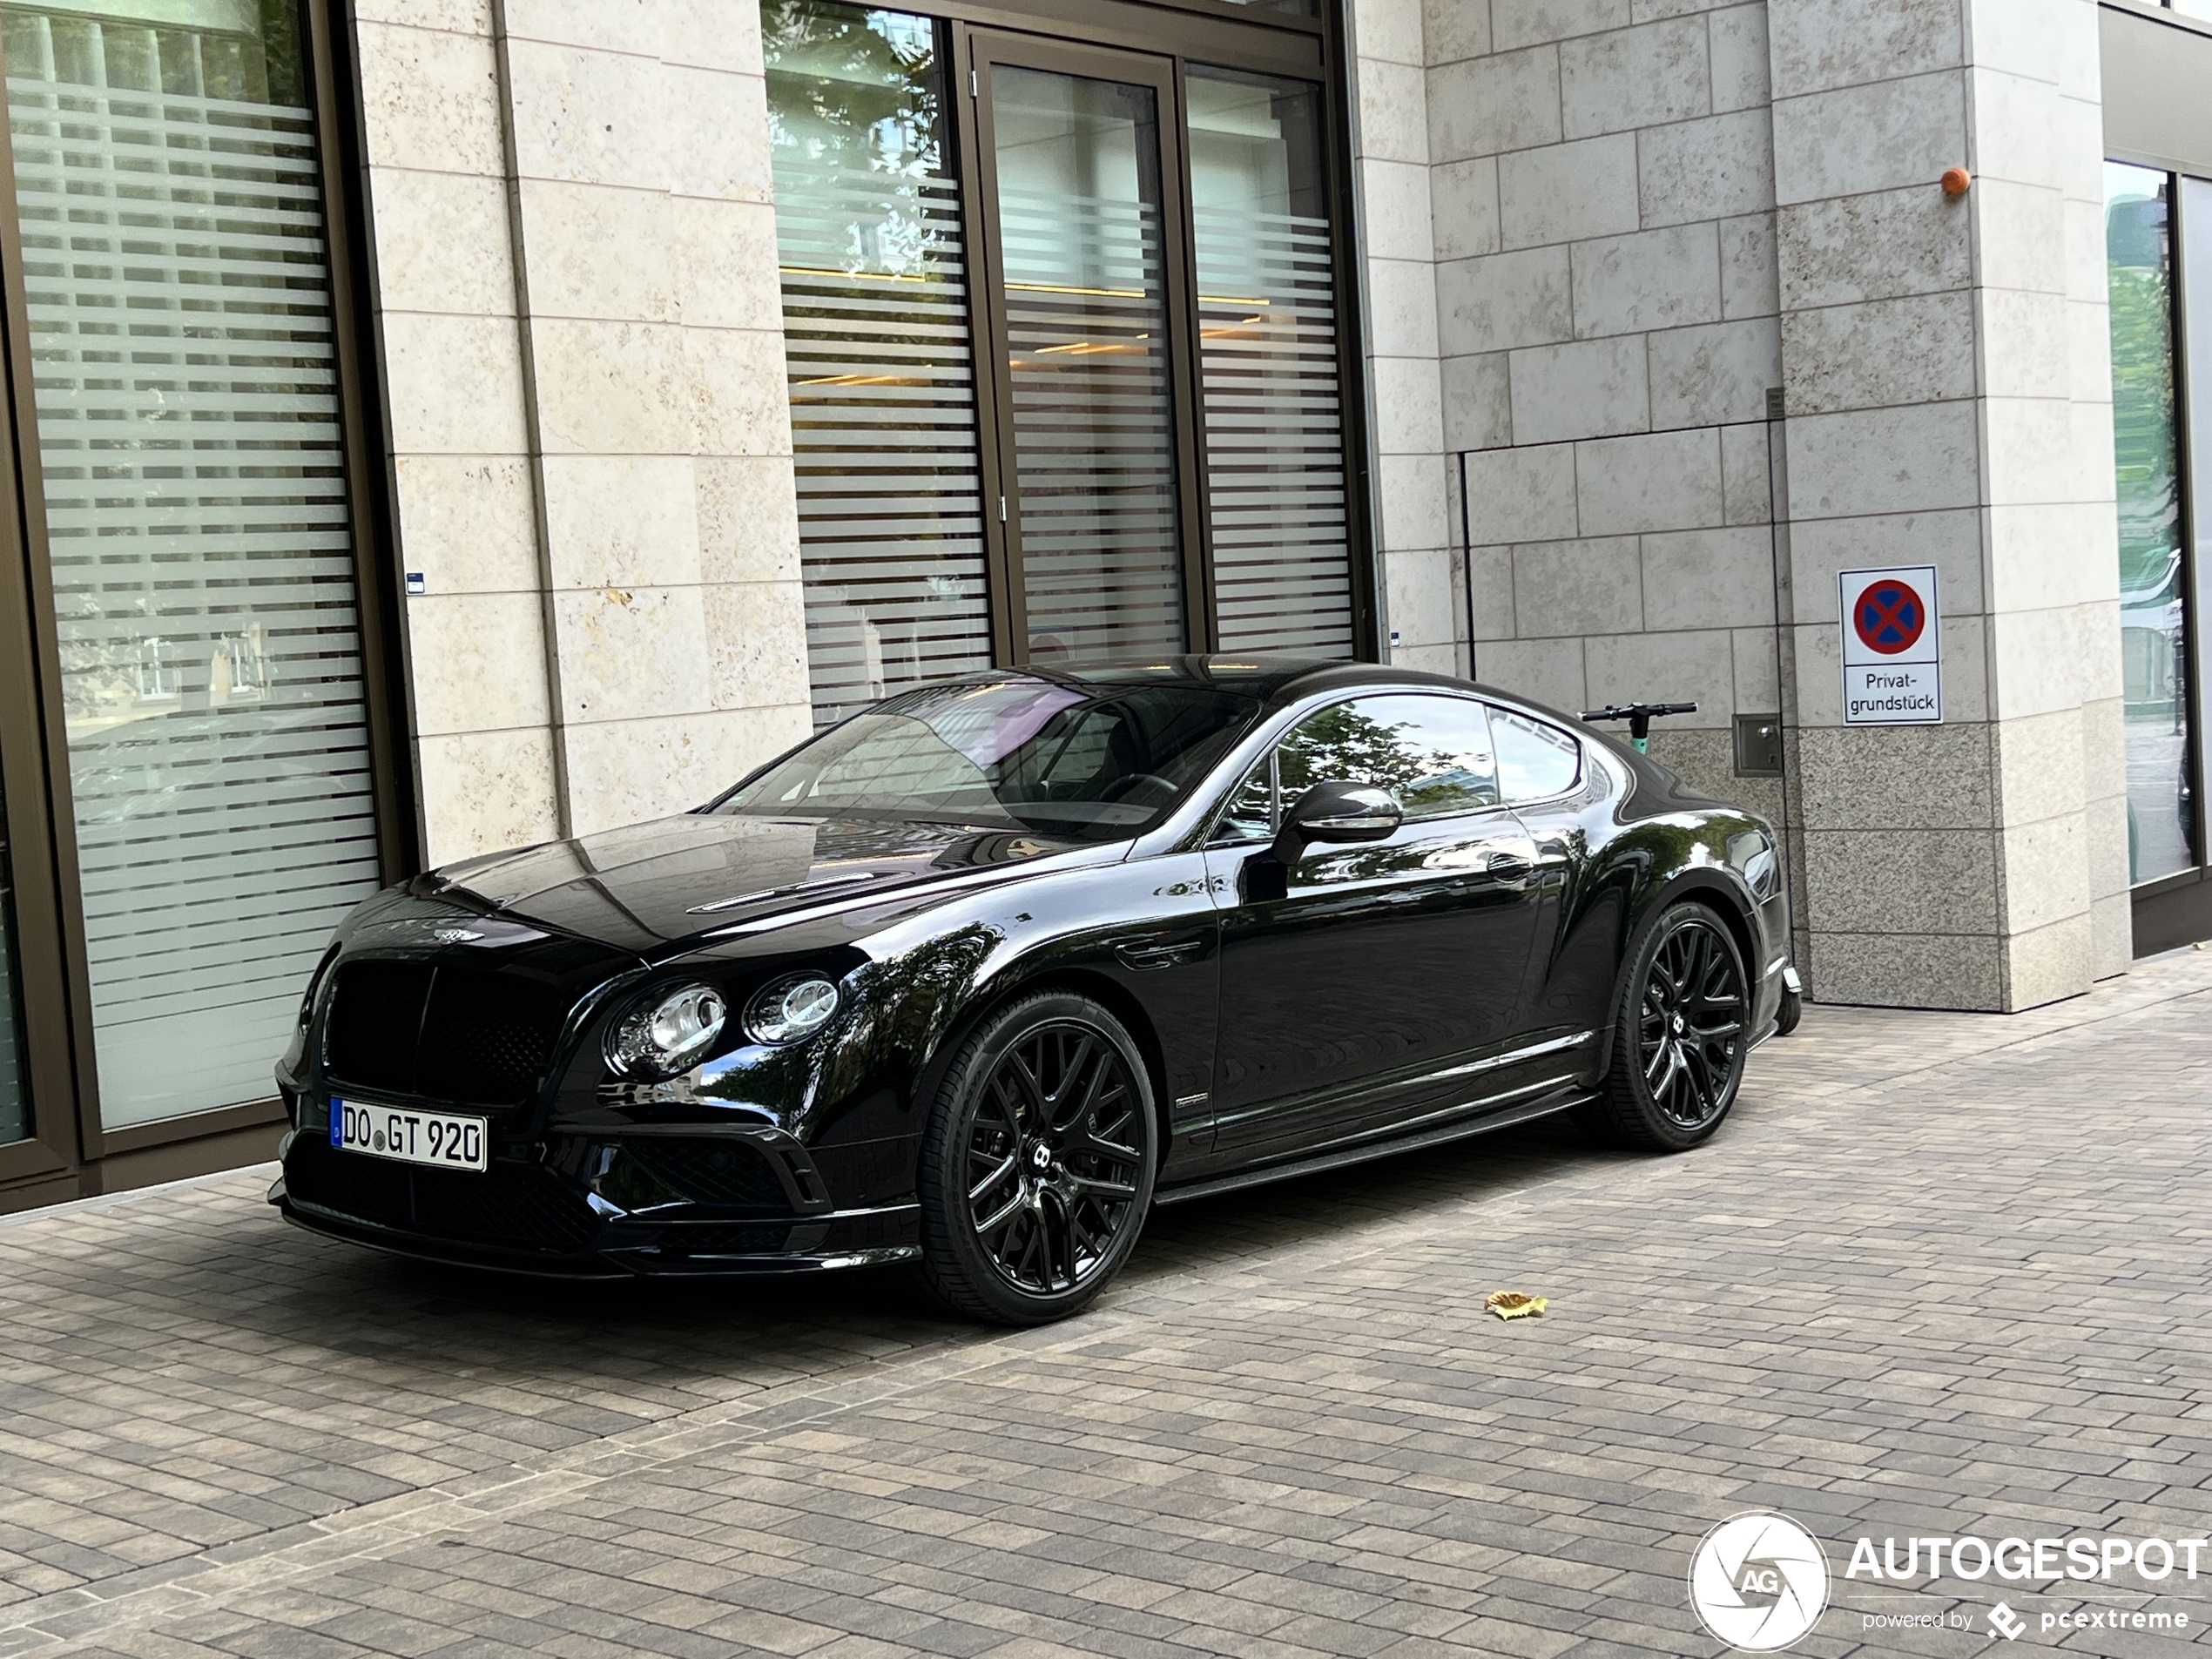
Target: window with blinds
point(1267, 325)
point(1079, 213)
point(877, 335)
point(188, 433)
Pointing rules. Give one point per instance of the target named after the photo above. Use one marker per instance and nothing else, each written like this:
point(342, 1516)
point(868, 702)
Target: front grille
point(515, 1207)
point(376, 1022)
point(458, 1034)
point(710, 1171)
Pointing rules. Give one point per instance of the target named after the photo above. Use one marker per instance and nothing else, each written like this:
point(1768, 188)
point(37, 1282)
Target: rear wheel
point(1037, 1165)
point(1680, 1038)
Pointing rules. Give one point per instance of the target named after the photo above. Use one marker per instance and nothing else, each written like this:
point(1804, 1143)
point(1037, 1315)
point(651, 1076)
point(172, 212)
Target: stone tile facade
point(1647, 216)
point(576, 253)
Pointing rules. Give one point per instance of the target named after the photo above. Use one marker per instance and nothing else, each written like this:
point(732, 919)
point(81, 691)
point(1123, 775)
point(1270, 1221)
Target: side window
point(1536, 759)
point(1433, 753)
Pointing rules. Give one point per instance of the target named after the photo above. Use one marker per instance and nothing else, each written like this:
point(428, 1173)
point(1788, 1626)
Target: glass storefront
point(1064, 358)
point(205, 607)
point(2154, 599)
point(1077, 166)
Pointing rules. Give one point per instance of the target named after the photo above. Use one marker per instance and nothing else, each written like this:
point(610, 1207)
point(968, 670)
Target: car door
point(1352, 978)
point(1557, 792)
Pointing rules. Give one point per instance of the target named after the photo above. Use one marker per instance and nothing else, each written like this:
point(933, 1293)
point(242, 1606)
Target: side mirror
point(1336, 811)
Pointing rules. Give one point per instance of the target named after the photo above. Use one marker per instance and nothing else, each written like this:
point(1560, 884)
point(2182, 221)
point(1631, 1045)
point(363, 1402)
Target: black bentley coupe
point(977, 976)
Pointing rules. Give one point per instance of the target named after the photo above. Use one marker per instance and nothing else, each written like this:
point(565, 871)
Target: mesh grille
point(486, 1037)
point(711, 1171)
point(455, 1034)
point(517, 1209)
point(375, 1017)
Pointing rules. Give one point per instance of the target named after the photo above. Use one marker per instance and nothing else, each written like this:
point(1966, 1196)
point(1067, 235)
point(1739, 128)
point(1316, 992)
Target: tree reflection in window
point(1432, 753)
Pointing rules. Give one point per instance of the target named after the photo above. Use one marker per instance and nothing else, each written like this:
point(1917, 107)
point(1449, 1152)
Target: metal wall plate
point(1758, 745)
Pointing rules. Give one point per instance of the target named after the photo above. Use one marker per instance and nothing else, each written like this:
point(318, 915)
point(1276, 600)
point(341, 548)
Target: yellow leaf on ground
point(1512, 1304)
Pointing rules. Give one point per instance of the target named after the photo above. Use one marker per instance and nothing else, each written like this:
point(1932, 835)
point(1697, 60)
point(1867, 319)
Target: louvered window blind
point(188, 433)
point(1086, 316)
point(876, 333)
point(1267, 323)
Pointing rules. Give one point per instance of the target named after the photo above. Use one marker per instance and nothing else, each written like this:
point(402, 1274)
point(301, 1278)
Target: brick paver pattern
point(1940, 1274)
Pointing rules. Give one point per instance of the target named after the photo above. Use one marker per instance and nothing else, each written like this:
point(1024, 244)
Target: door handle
point(1154, 951)
point(1509, 866)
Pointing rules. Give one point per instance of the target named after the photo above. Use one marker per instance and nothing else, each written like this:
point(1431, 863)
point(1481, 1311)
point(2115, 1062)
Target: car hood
point(674, 880)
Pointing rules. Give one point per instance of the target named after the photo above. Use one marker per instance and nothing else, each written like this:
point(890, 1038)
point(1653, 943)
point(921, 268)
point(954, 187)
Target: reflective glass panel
point(1086, 306)
point(2153, 609)
point(876, 335)
point(1536, 759)
point(188, 433)
point(1432, 753)
point(1267, 323)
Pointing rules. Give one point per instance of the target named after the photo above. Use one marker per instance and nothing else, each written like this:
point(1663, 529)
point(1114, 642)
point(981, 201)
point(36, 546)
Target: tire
point(1681, 1034)
point(1037, 1162)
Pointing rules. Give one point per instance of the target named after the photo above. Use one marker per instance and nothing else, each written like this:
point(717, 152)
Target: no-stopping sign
point(1892, 641)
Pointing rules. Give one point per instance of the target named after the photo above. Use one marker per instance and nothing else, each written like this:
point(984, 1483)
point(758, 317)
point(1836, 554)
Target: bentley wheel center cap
point(1679, 1024)
point(1040, 1157)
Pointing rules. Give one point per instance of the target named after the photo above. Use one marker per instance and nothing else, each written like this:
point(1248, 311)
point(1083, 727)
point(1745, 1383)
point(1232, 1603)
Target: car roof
point(1274, 679)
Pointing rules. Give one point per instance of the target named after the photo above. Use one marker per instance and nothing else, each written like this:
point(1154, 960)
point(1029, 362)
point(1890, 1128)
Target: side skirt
point(1557, 1100)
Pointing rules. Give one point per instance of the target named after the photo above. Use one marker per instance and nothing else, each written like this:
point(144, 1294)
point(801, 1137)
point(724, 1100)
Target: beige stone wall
point(574, 245)
point(1414, 539)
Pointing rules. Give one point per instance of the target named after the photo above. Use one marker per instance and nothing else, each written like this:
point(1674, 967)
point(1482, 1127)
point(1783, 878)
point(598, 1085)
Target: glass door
point(1085, 228)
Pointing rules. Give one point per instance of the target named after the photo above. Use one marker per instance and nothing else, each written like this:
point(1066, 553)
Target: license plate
point(440, 1138)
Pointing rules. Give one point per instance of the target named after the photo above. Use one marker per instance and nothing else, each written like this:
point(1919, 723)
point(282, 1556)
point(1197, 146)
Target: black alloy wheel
point(1036, 1168)
point(1682, 1036)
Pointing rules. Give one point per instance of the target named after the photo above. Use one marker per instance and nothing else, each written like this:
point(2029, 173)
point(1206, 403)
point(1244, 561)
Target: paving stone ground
point(1941, 1275)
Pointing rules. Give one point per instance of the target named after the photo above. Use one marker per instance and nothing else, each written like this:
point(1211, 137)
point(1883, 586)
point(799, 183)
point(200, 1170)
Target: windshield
point(1095, 763)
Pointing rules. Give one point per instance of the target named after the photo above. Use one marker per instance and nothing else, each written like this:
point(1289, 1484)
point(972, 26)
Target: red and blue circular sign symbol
point(1888, 616)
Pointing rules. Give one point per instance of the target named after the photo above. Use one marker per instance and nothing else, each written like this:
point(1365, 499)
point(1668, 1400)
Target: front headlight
point(786, 1010)
point(662, 1037)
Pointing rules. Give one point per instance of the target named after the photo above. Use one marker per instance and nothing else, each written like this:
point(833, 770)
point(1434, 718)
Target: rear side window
point(1432, 753)
point(1535, 758)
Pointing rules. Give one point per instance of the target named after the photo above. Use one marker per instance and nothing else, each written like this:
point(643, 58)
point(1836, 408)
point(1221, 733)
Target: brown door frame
point(983, 49)
point(61, 1070)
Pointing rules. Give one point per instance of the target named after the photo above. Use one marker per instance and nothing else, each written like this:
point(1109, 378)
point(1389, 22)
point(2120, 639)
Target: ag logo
point(1758, 1581)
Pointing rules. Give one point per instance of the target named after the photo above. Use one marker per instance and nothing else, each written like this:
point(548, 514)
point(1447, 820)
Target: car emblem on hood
point(455, 935)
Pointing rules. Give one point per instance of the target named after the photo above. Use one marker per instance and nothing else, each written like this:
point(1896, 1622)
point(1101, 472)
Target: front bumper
point(524, 1216)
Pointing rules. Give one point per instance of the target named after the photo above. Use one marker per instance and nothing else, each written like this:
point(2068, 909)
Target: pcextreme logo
point(1758, 1581)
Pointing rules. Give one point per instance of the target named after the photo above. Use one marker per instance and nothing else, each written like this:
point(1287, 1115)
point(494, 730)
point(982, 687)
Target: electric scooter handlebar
point(1638, 715)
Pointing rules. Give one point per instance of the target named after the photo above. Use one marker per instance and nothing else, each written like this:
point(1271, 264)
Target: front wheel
point(1680, 1038)
point(1037, 1163)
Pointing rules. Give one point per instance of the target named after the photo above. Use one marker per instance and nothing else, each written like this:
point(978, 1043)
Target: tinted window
point(1536, 759)
point(1096, 763)
point(1433, 753)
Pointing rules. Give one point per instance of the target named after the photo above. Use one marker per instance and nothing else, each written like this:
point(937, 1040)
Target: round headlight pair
point(665, 1035)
